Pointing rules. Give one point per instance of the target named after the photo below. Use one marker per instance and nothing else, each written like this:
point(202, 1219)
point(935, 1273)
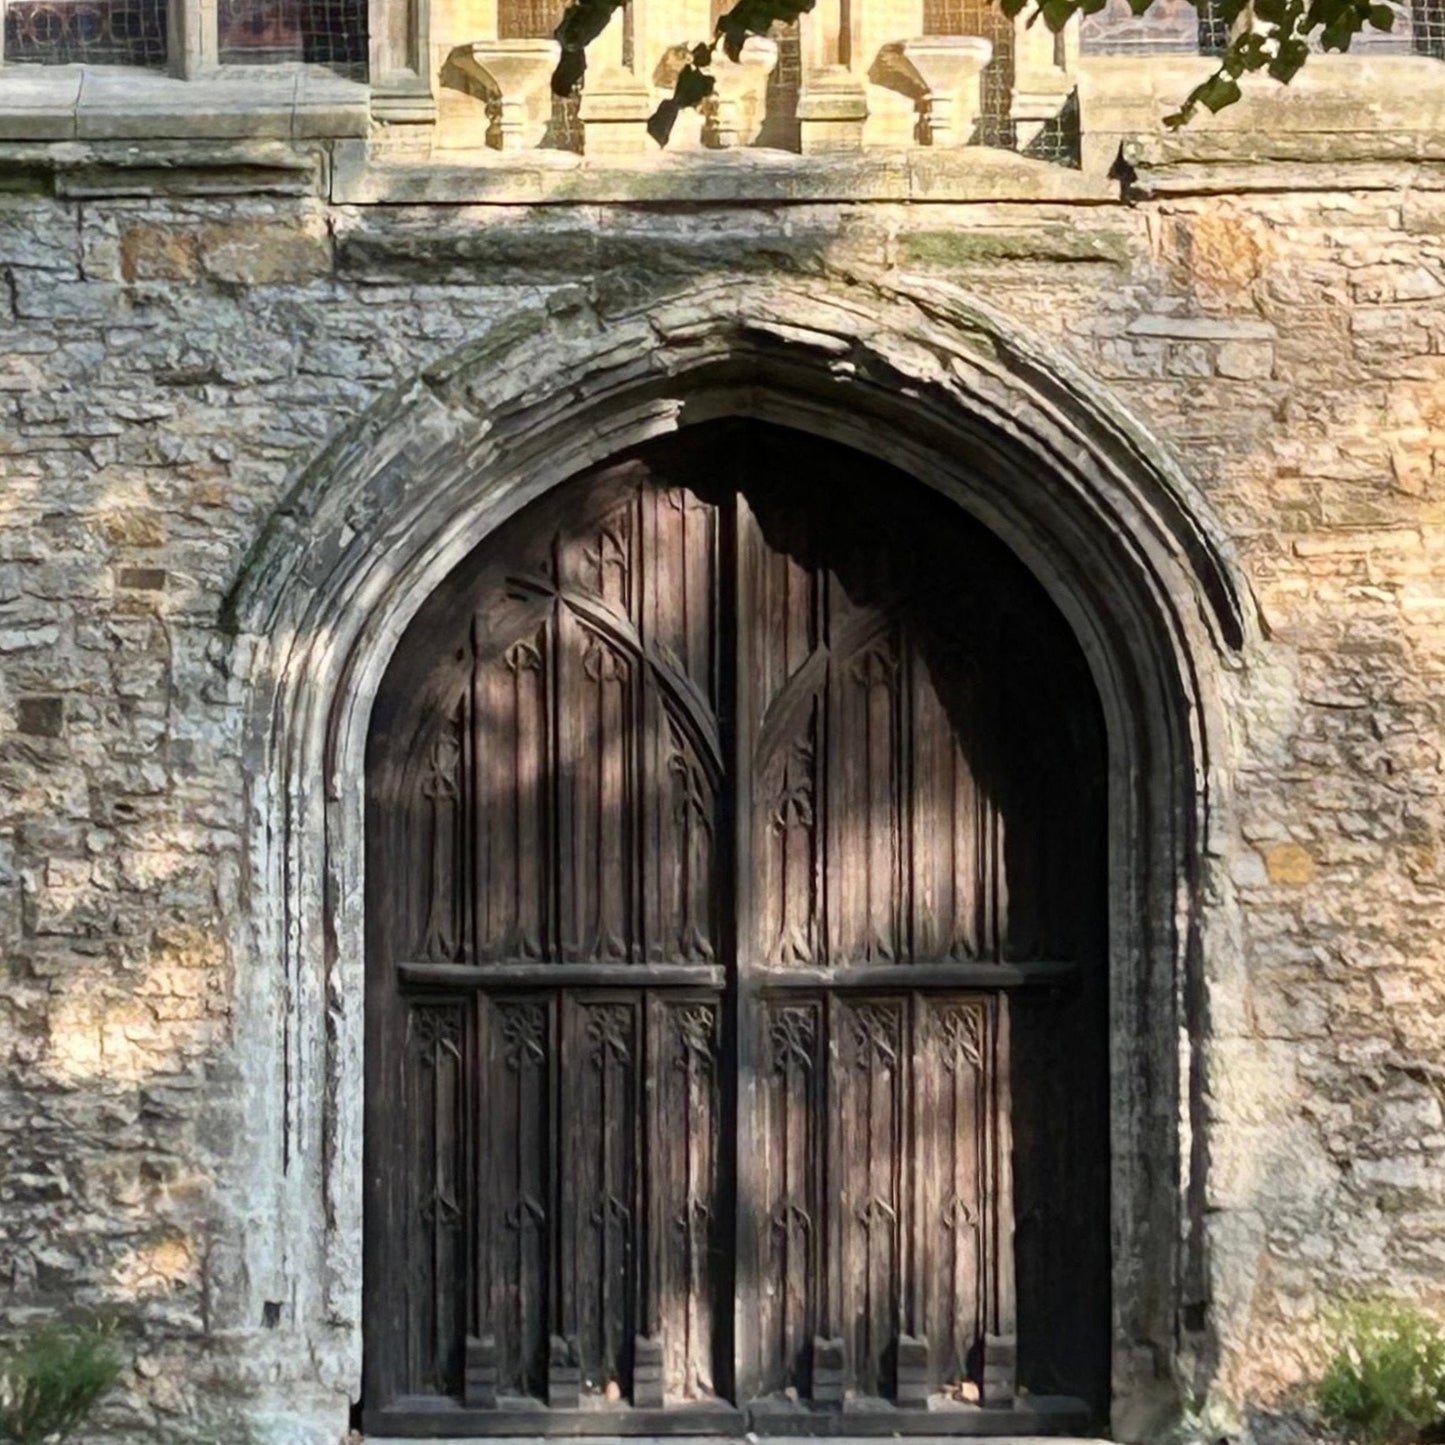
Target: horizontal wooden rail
point(562, 975)
point(944, 973)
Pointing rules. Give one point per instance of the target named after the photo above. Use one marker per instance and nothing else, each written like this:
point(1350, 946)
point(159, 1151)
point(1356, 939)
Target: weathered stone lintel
point(83, 170)
point(85, 102)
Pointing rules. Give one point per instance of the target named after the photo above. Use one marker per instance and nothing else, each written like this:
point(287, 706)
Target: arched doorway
point(737, 980)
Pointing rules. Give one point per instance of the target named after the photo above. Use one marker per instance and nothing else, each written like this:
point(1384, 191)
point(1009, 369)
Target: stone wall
point(170, 364)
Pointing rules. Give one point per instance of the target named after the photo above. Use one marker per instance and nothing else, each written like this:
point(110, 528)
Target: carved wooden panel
point(598, 1204)
point(578, 779)
point(517, 1216)
point(436, 1108)
point(791, 1133)
point(685, 1147)
point(874, 842)
point(709, 821)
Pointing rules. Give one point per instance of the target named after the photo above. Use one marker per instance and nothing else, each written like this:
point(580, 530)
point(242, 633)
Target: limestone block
point(942, 74)
point(39, 107)
point(513, 75)
point(832, 108)
point(614, 113)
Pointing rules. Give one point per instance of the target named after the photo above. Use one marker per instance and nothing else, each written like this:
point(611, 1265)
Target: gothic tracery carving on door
point(689, 1029)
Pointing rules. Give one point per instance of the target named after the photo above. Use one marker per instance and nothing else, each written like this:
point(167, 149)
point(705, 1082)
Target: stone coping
point(972, 173)
point(108, 102)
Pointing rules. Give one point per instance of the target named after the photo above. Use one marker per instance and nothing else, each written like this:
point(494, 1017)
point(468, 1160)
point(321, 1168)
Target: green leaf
point(1217, 92)
point(1336, 37)
point(756, 17)
point(571, 67)
point(662, 120)
point(1382, 17)
point(581, 23)
point(1288, 59)
point(693, 87)
point(1056, 13)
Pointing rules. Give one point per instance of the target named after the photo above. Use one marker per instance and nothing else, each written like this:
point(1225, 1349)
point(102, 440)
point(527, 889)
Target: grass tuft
point(51, 1383)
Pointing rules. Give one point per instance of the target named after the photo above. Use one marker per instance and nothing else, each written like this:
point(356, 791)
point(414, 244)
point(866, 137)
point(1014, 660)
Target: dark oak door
point(728, 813)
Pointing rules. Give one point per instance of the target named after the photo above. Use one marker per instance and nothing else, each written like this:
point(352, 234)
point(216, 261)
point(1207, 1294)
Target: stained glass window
point(96, 32)
point(324, 32)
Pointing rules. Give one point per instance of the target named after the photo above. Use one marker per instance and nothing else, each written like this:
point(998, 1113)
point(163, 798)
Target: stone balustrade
point(848, 76)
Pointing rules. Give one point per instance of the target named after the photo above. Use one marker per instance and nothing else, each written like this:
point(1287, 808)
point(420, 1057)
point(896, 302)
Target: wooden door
point(695, 915)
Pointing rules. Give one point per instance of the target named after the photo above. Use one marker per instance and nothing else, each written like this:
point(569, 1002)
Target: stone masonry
point(172, 360)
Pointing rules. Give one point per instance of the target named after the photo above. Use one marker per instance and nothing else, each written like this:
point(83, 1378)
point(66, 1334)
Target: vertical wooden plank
point(515, 1182)
point(873, 1047)
point(788, 1306)
point(1001, 1113)
point(603, 1109)
point(838, 1147)
point(863, 801)
point(958, 1212)
point(933, 841)
point(741, 659)
point(684, 1087)
point(437, 1279)
point(572, 1192)
point(656, 587)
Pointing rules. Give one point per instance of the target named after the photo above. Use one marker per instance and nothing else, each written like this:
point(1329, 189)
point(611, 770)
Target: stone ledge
point(970, 173)
point(85, 169)
point(1342, 113)
point(101, 102)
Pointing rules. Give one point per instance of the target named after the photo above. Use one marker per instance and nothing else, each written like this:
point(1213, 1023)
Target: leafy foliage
point(1272, 36)
point(1385, 1382)
point(52, 1383)
point(1207, 1421)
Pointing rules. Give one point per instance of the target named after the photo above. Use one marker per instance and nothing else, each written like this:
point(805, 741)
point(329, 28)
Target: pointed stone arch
point(915, 373)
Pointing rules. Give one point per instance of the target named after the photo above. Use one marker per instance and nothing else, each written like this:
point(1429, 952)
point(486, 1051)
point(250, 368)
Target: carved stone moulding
point(942, 73)
point(513, 76)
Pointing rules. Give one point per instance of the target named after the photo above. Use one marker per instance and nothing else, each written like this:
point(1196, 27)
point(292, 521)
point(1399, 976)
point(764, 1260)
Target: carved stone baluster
point(1045, 67)
point(734, 115)
point(942, 73)
point(874, 26)
point(616, 99)
point(662, 40)
point(512, 76)
point(832, 100)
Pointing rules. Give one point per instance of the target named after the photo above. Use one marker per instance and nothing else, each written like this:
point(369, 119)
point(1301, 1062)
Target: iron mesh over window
point(1428, 27)
point(1419, 29)
point(322, 32)
point(96, 32)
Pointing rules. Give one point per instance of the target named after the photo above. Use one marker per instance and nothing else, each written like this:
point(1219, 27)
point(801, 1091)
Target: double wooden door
point(693, 931)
